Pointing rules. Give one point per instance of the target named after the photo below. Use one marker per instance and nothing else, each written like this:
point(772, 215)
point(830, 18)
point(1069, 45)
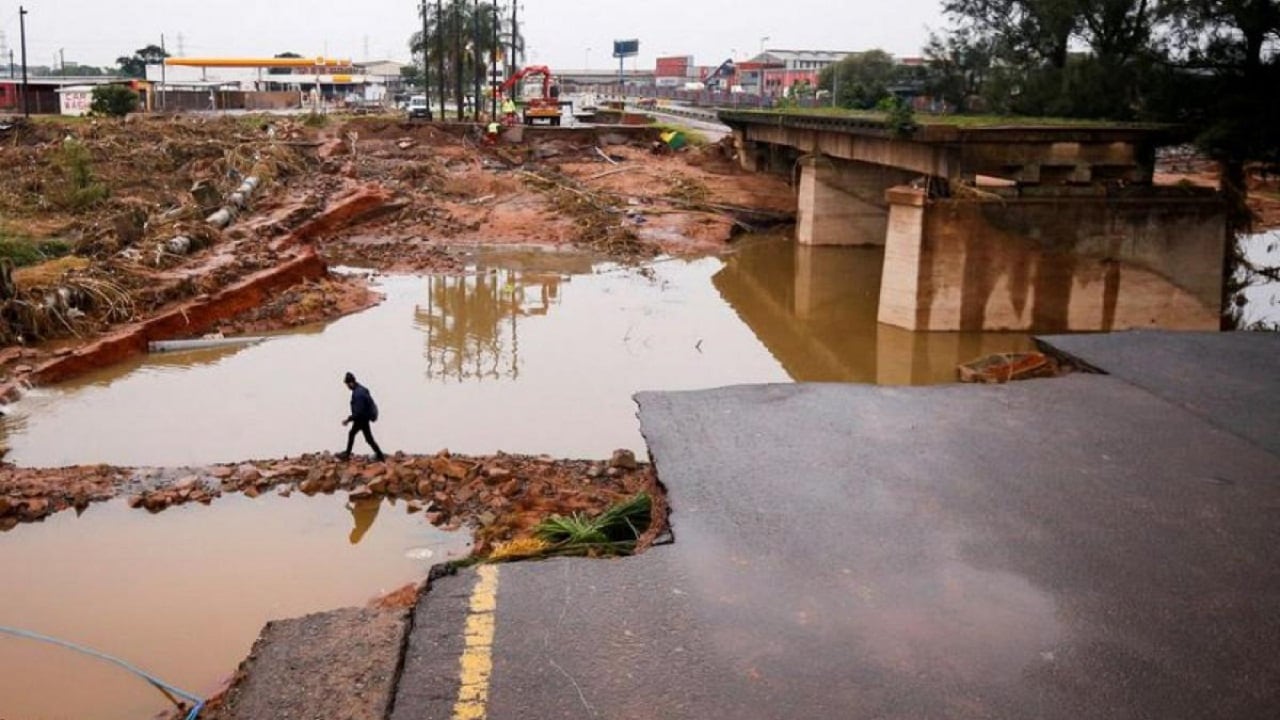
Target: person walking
point(363, 412)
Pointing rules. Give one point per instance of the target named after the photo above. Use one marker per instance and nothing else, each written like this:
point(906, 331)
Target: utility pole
point(515, 32)
point(477, 59)
point(22, 30)
point(62, 60)
point(164, 75)
point(455, 6)
point(493, 63)
point(426, 77)
point(440, 55)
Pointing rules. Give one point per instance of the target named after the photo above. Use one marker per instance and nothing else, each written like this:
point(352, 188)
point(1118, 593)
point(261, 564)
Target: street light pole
point(164, 74)
point(22, 29)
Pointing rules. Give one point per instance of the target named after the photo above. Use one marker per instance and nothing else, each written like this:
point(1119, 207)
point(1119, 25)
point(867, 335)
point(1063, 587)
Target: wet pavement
point(184, 593)
point(1228, 379)
point(531, 352)
point(1067, 548)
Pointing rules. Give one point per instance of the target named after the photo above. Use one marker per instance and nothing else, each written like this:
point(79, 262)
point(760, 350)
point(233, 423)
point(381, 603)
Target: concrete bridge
point(1034, 228)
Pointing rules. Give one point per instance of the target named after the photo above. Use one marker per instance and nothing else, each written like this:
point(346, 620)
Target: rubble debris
point(1007, 367)
point(503, 497)
point(163, 346)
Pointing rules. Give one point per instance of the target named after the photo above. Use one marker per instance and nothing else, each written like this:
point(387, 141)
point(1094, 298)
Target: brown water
point(530, 353)
point(535, 353)
point(184, 593)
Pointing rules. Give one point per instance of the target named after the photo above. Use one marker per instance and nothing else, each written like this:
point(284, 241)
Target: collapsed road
point(902, 553)
point(128, 235)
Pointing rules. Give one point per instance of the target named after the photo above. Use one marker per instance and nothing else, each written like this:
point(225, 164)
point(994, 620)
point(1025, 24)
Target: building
point(45, 94)
point(674, 71)
point(772, 72)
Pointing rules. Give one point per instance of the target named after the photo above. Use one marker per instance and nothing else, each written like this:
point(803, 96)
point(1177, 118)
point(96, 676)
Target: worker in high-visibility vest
point(491, 133)
point(509, 111)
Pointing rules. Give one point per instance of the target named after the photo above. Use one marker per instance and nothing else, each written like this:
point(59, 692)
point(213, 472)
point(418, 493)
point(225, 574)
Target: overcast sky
point(558, 32)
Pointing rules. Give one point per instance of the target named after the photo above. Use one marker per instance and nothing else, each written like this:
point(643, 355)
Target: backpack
point(373, 410)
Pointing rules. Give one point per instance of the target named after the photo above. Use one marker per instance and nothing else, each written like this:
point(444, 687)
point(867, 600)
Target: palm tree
point(462, 35)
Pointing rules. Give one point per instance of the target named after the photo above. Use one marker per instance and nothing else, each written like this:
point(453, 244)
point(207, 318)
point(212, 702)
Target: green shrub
point(81, 190)
point(23, 251)
point(900, 117)
point(113, 100)
point(315, 120)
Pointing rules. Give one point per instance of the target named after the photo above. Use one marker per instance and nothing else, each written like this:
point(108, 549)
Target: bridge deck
point(1033, 153)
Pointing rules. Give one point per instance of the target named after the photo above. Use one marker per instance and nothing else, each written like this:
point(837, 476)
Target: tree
point(860, 80)
point(1221, 67)
point(1210, 66)
point(136, 66)
point(959, 64)
point(1030, 66)
point(282, 70)
point(113, 100)
point(465, 32)
point(74, 70)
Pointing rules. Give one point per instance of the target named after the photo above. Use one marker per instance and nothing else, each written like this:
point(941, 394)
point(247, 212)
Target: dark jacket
point(362, 405)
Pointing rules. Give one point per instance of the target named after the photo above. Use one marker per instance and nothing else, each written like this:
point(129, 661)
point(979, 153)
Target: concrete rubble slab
point(1230, 379)
point(339, 664)
point(1067, 548)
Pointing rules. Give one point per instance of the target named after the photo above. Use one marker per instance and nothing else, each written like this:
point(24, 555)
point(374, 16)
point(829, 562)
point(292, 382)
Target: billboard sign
point(677, 66)
point(626, 48)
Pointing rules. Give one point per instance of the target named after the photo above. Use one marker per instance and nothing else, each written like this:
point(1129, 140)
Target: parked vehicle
point(418, 108)
point(543, 107)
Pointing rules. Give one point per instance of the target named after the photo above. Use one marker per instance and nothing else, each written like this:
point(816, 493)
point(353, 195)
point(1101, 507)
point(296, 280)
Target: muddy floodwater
point(530, 353)
point(184, 593)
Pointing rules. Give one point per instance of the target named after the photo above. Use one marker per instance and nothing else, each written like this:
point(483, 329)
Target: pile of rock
point(502, 496)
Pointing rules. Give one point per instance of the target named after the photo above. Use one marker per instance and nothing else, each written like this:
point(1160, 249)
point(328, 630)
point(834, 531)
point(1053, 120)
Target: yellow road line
point(477, 658)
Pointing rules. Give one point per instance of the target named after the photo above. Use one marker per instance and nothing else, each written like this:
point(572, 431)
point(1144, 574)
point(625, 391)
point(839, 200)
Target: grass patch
point(80, 189)
point(315, 120)
point(26, 251)
point(613, 532)
point(961, 121)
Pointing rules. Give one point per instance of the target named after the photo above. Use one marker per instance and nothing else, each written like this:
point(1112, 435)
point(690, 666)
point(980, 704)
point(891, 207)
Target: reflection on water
point(183, 593)
point(1263, 250)
point(531, 353)
point(472, 323)
point(815, 309)
point(363, 513)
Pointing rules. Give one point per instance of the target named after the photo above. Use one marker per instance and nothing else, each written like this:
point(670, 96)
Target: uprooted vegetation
point(106, 209)
point(113, 222)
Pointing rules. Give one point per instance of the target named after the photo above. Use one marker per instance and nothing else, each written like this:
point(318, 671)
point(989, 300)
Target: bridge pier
point(1054, 260)
point(842, 202)
point(1074, 237)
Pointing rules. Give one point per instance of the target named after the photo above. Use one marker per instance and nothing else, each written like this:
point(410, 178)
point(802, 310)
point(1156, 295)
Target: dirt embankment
point(503, 497)
point(125, 206)
point(1182, 166)
point(607, 191)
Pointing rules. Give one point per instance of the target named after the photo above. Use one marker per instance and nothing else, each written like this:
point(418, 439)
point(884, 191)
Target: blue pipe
point(162, 685)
